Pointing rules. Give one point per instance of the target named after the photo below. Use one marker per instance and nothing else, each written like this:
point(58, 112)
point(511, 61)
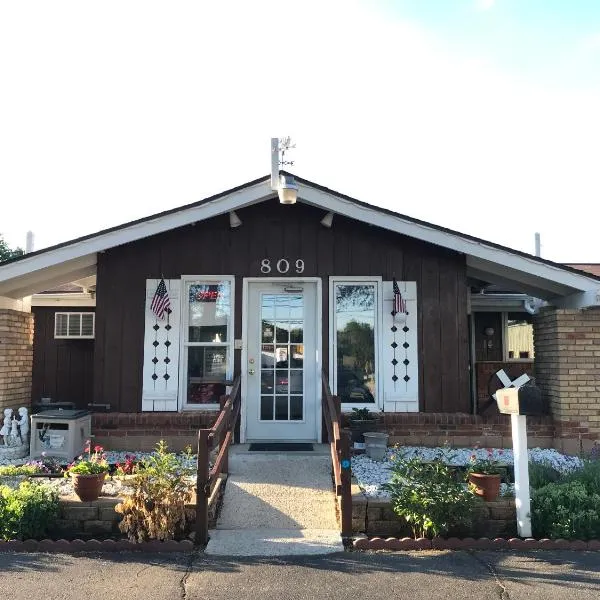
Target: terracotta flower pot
point(88, 487)
point(486, 486)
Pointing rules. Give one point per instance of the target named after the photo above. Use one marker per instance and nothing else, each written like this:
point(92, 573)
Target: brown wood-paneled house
point(277, 293)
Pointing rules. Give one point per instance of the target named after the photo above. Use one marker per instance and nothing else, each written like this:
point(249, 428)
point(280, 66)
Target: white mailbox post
point(508, 403)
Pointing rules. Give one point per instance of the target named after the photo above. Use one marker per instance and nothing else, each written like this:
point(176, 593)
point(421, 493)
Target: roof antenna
point(285, 185)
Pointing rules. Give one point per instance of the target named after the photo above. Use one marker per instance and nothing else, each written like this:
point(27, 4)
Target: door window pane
point(281, 408)
point(282, 355)
point(266, 408)
point(355, 315)
point(296, 408)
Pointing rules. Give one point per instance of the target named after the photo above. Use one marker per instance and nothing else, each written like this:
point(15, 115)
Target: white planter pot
point(376, 444)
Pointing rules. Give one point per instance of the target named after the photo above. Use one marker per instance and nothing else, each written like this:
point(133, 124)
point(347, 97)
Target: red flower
point(97, 448)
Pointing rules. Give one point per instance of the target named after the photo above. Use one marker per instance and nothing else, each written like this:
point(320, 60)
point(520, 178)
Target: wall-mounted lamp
point(327, 220)
point(234, 220)
point(287, 189)
point(285, 185)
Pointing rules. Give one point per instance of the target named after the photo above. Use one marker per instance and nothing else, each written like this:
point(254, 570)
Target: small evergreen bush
point(428, 497)
point(28, 511)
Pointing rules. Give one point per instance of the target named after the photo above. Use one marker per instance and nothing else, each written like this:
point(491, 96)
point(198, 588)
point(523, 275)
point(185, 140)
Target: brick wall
point(375, 516)
point(567, 355)
point(460, 429)
point(16, 358)
point(142, 431)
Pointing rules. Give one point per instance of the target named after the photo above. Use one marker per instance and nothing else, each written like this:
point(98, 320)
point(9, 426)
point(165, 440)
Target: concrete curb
point(378, 543)
point(69, 547)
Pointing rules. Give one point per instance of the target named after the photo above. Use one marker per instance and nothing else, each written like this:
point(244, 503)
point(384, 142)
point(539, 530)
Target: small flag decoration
point(399, 301)
point(160, 302)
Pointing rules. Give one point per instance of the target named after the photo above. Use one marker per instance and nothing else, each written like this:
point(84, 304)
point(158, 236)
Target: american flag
point(160, 303)
point(399, 301)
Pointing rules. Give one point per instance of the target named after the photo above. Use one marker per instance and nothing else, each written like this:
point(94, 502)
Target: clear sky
point(479, 115)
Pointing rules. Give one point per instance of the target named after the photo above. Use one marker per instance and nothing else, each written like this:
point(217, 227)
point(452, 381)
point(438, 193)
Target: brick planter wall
point(375, 517)
point(567, 354)
point(459, 429)
point(16, 358)
point(98, 518)
point(142, 431)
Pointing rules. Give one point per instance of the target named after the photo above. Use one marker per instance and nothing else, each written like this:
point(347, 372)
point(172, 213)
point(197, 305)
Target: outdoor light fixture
point(327, 220)
point(284, 184)
point(287, 190)
point(234, 220)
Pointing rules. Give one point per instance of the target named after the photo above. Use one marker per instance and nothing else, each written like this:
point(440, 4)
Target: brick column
point(567, 368)
point(16, 358)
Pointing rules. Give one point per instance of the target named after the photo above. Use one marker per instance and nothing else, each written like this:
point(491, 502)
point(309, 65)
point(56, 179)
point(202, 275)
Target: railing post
point(346, 477)
point(225, 465)
point(201, 488)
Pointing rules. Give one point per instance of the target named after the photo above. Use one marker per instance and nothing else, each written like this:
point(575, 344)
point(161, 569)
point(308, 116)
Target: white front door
point(282, 391)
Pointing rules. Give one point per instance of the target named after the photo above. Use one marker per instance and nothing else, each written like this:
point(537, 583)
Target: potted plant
point(484, 475)
point(88, 472)
point(361, 420)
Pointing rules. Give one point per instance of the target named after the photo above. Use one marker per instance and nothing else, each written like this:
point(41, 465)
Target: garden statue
point(23, 422)
point(5, 431)
point(15, 434)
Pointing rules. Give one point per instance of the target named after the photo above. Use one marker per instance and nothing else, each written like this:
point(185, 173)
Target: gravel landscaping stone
point(371, 475)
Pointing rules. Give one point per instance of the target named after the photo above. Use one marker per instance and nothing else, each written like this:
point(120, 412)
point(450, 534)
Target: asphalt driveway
point(411, 575)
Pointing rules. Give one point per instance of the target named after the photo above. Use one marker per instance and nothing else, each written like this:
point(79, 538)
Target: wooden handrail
point(339, 440)
point(221, 435)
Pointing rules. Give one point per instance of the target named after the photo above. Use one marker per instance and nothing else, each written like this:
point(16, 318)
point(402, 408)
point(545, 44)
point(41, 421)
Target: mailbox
point(523, 400)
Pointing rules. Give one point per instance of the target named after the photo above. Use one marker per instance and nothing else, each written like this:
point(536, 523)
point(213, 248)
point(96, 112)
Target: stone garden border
point(93, 545)
point(519, 544)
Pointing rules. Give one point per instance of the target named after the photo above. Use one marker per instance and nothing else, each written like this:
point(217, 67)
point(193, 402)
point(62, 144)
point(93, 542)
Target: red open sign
point(207, 295)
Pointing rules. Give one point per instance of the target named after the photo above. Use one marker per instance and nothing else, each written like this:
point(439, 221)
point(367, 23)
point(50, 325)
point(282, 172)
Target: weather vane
point(285, 145)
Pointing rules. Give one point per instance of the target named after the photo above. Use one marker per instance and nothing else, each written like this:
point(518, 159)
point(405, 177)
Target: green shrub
point(14, 471)
point(428, 497)
point(565, 510)
point(541, 474)
point(588, 475)
point(27, 512)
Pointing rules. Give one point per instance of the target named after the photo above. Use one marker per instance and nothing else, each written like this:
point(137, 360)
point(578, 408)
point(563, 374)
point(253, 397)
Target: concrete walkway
point(277, 504)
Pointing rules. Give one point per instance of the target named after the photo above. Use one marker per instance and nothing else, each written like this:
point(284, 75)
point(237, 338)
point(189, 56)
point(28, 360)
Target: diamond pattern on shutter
point(161, 351)
point(400, 359)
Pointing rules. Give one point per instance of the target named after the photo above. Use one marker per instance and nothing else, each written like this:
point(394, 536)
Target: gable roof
point(486, 261)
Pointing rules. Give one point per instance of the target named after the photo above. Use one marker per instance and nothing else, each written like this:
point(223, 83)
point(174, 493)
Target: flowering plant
point(485, 466)
point(128, 467)
point(91, 463)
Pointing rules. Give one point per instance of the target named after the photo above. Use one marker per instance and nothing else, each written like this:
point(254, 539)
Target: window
point(354, 322)
point(208, 338)
point(74, 325)
point(503, 336)
point(519, 336)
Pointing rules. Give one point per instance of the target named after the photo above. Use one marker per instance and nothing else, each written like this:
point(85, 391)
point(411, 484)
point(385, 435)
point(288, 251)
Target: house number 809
point(282, 266)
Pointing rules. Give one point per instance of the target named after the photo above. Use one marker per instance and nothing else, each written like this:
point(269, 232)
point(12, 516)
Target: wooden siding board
point(59, 366)
point(463, 401)
point(448, 335)
point(431, 365)
point(270, 230)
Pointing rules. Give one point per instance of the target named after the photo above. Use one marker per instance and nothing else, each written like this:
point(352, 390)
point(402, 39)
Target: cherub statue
point(6, 428)
point(23, 423)
point(15, 438)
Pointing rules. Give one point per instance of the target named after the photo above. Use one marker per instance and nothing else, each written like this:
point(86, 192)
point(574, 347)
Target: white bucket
point(376, 445)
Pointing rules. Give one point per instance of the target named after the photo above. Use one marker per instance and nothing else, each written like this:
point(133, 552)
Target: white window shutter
point(161, 351)
point(400, 356)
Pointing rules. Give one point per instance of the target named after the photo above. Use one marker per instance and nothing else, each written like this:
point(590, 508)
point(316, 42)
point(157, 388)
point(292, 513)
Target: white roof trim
point(79, 257)
point(452, 241)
